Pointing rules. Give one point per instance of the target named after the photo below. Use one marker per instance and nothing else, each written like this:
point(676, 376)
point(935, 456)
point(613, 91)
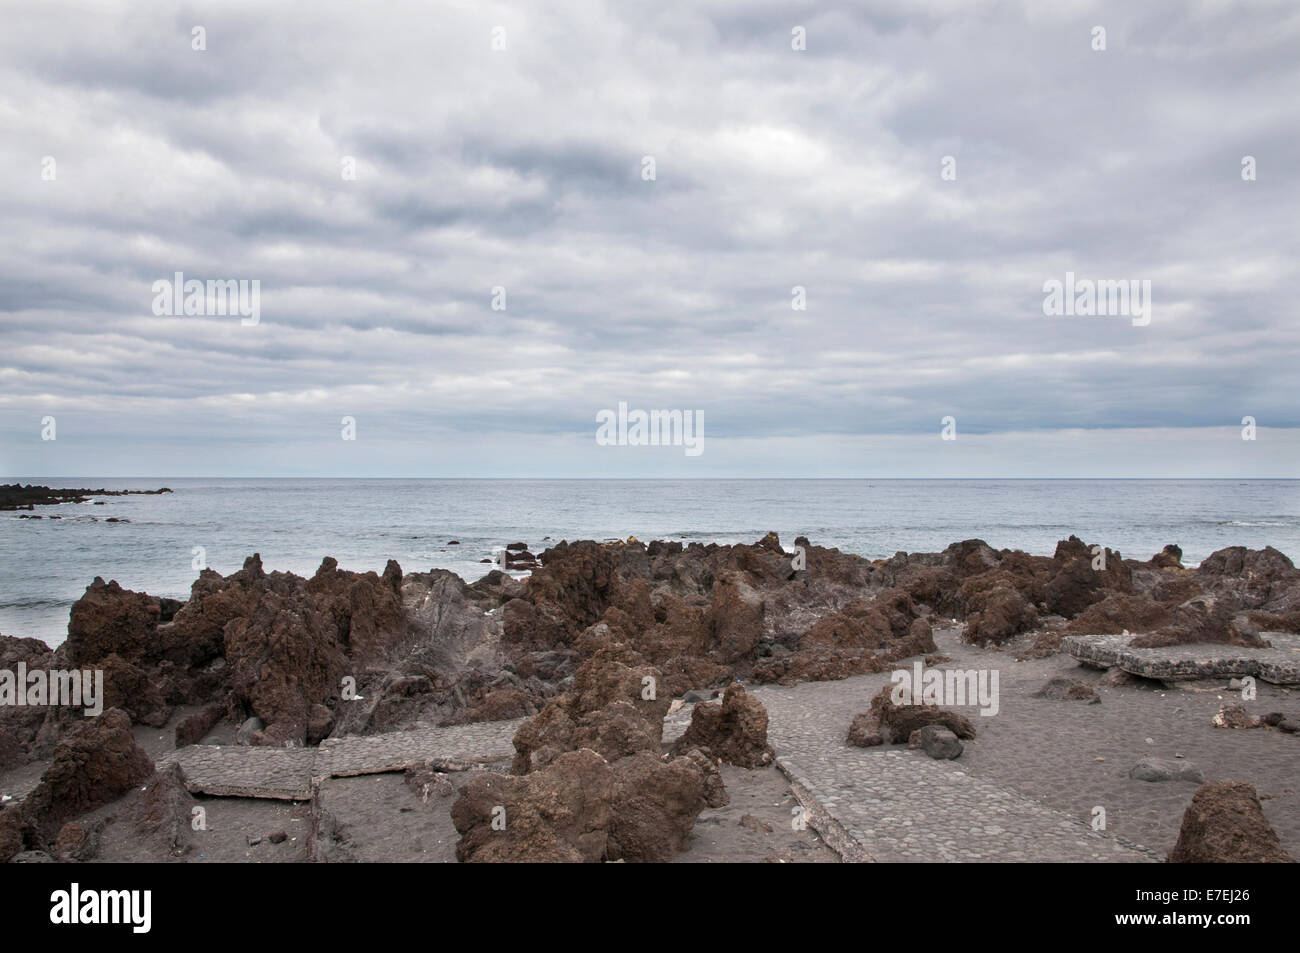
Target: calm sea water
point(45, 565)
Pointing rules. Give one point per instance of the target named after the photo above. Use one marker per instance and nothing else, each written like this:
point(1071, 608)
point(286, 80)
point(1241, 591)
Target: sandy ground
point(1073, 755)
point(755, 826)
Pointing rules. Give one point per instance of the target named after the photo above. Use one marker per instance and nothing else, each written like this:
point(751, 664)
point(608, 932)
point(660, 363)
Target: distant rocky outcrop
point(15, 496)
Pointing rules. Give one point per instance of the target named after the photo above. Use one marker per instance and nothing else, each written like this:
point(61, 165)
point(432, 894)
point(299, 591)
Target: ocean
point(45, 565)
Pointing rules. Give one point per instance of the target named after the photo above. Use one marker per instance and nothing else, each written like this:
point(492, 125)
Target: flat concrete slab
point(1279, 665)
point(236, 771)
point(376, 754)
point(290, 773)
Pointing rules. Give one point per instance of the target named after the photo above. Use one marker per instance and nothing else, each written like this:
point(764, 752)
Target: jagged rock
point(1076, 585)
point(75, 844)
point(1251, 578)
point(27, 732)
point(320, 722)
point(1202, 619)
point(736, 618)
point(164, 813)
point(109, 620)
point(560, 813)
point(919, 641)
point(95, 762)
point(287, 641)
point(614, 708)
point(1119, 612)
point(997, 615)
point(715, 793)
point(895, 723)
point(735, 730)
point(133, 690)
point(900, 636)
point(1171, 557)
point(618, 730)
point(195, 634)
point(367, 608)
point(655, 806)
point(866, 623)
point(864, 731)
point(1277, 622)
point(818, 665)
point(1225, 824)
point(569, 593)
point(1233, 715)
point(1045, 644)
point(582, 808)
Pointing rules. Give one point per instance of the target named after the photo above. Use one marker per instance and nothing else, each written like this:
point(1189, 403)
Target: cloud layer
point(522, 168)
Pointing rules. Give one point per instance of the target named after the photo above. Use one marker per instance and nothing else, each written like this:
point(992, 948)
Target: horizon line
point(715, 479)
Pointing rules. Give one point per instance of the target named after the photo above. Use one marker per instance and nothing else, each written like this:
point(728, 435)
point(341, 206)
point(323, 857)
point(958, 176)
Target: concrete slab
point(1279, 665)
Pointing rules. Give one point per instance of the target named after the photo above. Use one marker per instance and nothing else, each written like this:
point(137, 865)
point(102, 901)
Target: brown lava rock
point(95, 762)
point(895, 723)
point(735, 731)
point(1225, 824)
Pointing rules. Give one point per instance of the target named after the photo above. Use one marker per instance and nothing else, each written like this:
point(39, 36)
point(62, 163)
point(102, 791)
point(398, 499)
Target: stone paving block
point(288, 773)
point(393, 751)
point(1279, 664)
point(237, 771)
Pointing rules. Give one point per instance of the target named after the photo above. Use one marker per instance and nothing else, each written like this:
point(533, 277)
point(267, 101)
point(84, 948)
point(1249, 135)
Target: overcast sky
point(523, 168)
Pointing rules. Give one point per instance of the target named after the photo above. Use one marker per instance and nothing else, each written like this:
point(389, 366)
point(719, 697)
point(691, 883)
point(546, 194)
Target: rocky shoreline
point(16, 496)
point(594, 650)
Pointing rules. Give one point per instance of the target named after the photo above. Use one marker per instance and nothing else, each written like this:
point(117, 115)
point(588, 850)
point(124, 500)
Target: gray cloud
point(523, 169)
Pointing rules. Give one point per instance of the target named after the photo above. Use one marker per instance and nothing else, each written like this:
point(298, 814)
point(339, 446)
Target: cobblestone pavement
point(894, 804)
point(1279, 664)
